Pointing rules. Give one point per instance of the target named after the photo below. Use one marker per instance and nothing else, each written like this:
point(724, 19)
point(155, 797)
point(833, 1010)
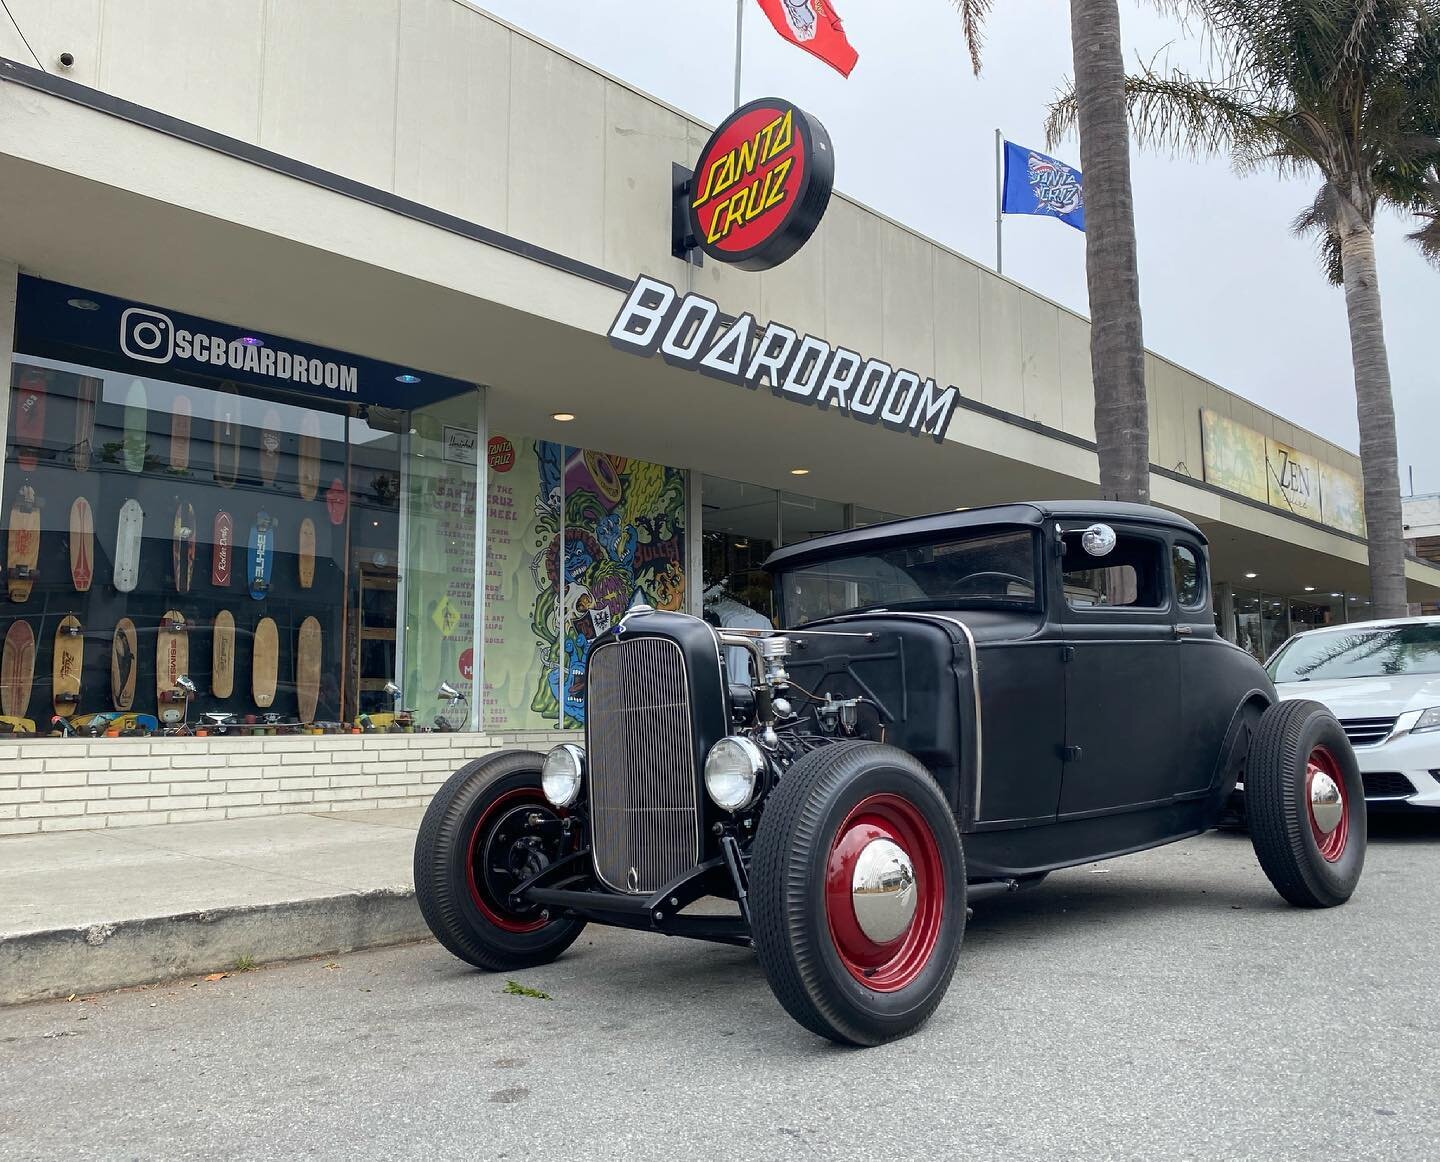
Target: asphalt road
point(1166, 1005)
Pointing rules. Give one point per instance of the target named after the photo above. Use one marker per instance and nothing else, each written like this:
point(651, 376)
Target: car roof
point(1030, 513)
point(1378, 623)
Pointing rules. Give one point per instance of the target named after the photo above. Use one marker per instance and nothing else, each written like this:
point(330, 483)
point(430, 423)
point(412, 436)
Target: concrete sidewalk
point(83, 911)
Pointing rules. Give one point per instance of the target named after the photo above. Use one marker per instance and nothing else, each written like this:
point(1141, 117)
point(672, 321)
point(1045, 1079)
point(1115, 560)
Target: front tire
point(857, 893)
point(1305, 802)
point(480, 837)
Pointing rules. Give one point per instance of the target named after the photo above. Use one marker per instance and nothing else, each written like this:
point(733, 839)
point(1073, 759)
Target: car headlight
point(562, 774)
point(732, 772)
point(1428, 720)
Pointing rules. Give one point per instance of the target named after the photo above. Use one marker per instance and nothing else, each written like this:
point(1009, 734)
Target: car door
point(1122, 677)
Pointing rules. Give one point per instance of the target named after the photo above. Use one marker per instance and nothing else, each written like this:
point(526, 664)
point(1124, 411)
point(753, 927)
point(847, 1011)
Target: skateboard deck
point(124, 648)
point(269, 446)
point(17, 669)
point(225, 438)
point(265, 664)
point(172, 662)
point(180, 417)
point(30, 396)
point(23, 546)
point(182, 547)
point(222, 655)
point(307, 669)
point(87, 392)
point(309, 472)
point(222, 550)
point(136, 435)
point(261, 555)
point(128, 532)
point(337, 499)
point(307, 553)
point(10, 724)
point(67, 667)
point(133, 724)
point(82, 545)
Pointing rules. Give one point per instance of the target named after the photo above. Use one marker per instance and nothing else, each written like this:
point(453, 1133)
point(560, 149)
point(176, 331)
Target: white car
point(1381, 679)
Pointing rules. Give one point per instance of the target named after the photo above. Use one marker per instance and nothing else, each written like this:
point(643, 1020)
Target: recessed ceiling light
point(1251, 576)
point(1309, 589)
point(252, 341)
point(407, 378)
point(1337, 595)
point(799, 472)
point(562, 417)
point(83, 304)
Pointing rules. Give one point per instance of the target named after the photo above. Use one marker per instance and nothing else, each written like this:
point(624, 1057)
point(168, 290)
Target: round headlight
point(562, 774)
point(732, 772)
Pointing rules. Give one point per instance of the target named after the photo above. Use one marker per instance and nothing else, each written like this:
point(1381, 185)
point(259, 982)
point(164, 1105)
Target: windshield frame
point(1272, 664)
point(1039, 581)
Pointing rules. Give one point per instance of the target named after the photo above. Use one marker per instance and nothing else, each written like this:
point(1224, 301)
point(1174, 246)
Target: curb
point(56, 963)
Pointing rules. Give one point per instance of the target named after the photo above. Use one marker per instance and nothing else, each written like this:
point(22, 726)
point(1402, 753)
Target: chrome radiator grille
point(644, 817)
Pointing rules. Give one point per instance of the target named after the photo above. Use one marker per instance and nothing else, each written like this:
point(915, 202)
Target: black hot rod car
point(957, 705)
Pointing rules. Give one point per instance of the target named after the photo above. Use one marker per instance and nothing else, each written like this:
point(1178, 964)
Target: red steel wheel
point(502, 854)
point(1328, 804)
point(884, 892)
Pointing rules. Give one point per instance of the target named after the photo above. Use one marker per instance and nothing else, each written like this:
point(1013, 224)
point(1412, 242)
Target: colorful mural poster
point(1293, 479)
point(1343, 500)
point(624, 539)
point(1234, 456)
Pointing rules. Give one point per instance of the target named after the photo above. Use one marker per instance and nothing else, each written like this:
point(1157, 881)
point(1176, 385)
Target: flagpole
point(999, 202)
point(739, 45)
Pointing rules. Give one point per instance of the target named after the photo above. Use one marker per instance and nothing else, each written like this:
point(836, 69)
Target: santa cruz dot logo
point(761, 185)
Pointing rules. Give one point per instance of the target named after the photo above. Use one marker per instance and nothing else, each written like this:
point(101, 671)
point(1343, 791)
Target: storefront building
point(348, 396)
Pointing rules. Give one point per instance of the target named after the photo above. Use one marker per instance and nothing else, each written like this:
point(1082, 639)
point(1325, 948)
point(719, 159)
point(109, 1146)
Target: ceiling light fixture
point(562, 417)
point(799, 472)
point(1251, 576)
point(1309, 589)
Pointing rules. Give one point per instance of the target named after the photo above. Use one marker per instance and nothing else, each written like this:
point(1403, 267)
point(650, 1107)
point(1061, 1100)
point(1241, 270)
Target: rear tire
point(1305, 803)
point(473, 843)
point(858, 967)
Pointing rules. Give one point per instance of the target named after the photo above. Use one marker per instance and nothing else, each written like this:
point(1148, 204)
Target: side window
point(1130, 576)
point(1189, 577)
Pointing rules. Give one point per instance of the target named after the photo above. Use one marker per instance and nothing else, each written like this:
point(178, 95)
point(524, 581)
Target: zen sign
point(760, 187)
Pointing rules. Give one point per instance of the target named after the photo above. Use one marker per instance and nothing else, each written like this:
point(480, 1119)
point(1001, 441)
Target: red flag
point(815, 26)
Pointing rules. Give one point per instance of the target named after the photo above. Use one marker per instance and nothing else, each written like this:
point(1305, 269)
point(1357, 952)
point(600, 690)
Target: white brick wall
point(67, 785)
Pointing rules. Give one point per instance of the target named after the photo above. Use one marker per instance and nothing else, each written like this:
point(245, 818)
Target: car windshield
point(1379, 652)
point(984, 569)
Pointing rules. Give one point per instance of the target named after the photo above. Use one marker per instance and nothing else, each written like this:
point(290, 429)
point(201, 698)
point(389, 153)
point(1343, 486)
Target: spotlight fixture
point(252, 341)
point(407, 378)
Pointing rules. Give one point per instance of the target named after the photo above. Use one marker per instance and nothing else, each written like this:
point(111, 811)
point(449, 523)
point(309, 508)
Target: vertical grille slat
point(644, 809)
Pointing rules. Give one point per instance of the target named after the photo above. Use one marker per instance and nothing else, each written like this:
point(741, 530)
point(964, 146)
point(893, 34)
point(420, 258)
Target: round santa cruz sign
point(761, 185)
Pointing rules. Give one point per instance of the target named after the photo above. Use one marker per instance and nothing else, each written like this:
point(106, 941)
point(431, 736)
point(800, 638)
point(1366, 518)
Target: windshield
point(1382, 652)
point(984, 569)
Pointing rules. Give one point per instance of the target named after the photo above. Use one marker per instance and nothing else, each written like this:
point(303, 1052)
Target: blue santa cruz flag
point(1036, 184)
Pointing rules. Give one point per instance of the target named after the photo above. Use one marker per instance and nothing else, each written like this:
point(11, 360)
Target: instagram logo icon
point(147, 335)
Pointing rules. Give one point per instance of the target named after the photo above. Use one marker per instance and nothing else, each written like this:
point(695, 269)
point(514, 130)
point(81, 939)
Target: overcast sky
point(1226, 290)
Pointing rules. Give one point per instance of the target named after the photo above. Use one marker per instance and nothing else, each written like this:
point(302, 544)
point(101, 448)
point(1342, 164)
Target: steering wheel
point(976, 582)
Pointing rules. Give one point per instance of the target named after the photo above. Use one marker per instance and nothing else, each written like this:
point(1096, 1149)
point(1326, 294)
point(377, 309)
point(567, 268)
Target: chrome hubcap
point(1326, 806)
point(883, 890)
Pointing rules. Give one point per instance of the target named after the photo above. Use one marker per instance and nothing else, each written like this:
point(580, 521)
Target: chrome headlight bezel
point(562, 777)
point(733, 768)
point(1429, 720)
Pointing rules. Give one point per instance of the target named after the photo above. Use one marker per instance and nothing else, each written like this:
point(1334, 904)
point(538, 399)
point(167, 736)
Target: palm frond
point(973, 14)
point(1318, 221)
point(1427, 238)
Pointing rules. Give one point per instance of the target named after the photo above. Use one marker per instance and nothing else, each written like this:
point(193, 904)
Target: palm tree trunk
point(1379, 458)
point(1117, 349)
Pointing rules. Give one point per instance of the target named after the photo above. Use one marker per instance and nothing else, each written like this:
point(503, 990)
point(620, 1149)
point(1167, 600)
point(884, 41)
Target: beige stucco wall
point(440, 103)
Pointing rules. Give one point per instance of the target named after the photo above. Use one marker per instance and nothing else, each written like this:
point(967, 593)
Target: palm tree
point(1351, 90)
point(1117, 346)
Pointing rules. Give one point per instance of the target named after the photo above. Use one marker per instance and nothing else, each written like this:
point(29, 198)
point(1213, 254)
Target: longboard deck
point(307, 553)
point(265, 664)
point(67, 667)
point(180, 420)
point(30, 393)
point(17, 669)
point(182, 547)
point(222, 550)
point(307, 669)
point(309, 471)
point(172, 662)
point(137, 436)
point(222, 655)
point(261, 556)
point(225, 438)
point(337, 500)
point(269, 446)
point(23, 547)
point(82, 545)
point(129, 531)
point(87, 392)
point(124, 654)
